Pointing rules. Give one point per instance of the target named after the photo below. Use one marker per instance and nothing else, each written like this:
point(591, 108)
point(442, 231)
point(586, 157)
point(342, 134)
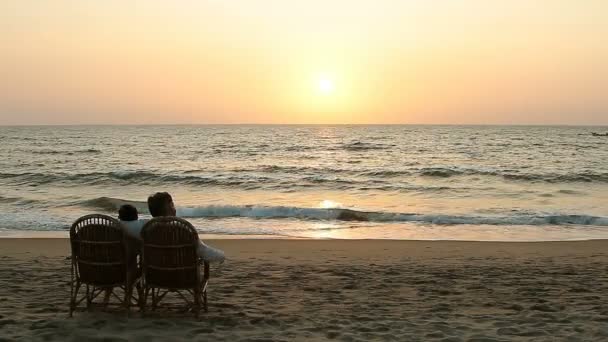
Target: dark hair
point(127, 212)
point(158, 203)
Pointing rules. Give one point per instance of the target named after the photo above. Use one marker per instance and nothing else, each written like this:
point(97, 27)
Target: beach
point(346, 290)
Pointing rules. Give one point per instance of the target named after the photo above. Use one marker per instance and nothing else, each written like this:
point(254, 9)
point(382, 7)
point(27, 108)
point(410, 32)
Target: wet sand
point(347, 290)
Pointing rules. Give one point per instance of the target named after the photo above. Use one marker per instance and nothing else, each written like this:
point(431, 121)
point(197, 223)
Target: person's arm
point(208, 253)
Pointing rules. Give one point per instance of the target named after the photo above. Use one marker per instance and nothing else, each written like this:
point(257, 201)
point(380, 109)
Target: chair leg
point(127, 300)
point(73, 296)
point(205, 301)
point(143, 301)
point(197, 303)
point(106, 296)
point(72, 301)
point(206, 276)
point(154, 299)
point(89, 297)
point(140, 294)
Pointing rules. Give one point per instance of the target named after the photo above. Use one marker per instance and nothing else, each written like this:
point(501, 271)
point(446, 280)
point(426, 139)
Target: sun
point(325, 85)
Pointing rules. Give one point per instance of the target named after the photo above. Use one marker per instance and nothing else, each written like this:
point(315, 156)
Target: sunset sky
point(315, 61)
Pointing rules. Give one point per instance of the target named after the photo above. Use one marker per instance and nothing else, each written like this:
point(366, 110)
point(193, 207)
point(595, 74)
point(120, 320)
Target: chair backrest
point(169, 258)
point(99, 250)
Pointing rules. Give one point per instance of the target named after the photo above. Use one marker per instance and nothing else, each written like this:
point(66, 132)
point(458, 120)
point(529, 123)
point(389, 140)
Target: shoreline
point(30, 234)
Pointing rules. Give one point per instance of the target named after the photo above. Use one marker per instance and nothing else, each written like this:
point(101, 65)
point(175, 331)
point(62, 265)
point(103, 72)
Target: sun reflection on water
point(327, 204)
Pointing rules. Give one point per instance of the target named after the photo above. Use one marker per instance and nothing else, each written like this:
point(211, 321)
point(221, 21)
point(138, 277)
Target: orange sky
point(265, 61)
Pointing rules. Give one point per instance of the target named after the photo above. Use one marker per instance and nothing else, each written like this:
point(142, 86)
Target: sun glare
point(329, 204)
point(325, 85)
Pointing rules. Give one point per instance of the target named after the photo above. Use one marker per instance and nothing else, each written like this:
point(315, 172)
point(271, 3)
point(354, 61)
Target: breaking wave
point(340, 214)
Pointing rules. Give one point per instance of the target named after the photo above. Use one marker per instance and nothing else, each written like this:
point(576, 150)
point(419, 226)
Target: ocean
point(487, 183)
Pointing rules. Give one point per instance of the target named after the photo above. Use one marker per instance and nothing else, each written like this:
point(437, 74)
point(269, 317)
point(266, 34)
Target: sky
point(304, 62)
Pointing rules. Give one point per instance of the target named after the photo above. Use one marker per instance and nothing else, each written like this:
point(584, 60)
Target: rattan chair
point(102, 262)
point(170, 263)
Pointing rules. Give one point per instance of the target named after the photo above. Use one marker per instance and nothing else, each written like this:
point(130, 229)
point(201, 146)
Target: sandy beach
point(285, 290)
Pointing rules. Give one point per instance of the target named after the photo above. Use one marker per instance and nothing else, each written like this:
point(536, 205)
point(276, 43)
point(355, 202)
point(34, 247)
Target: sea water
point(511, 183)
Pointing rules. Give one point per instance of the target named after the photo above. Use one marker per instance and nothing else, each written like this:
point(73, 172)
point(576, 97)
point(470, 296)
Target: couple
point(161, 204)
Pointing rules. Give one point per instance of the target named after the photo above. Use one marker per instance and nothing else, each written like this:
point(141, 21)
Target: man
point(161, 204)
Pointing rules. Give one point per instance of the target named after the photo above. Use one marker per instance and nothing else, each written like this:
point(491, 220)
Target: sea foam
point(342, 214)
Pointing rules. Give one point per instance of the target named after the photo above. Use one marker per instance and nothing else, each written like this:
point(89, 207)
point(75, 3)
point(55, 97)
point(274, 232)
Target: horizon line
point(302, 124)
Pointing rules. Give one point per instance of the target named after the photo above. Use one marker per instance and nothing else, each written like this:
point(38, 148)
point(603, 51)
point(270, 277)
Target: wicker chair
point(170, 263)
point(102, 262)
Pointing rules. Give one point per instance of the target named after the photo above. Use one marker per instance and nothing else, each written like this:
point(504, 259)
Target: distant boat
point(599, 134)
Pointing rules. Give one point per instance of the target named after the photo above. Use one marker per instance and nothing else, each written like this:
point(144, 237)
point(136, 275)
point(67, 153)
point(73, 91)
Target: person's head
point(127, 212)
point(161, 204)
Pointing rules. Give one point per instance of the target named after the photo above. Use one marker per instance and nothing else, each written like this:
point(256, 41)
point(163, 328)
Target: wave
point(288, 169)
point(585, 177)
point(112, 204)
point(442, 172)
point(4, 199)
point(364, 146)
point(20, 201)
point(135, 177)
point(341, 214)
point(283, 178)
point(90, 150)
point(327, 174)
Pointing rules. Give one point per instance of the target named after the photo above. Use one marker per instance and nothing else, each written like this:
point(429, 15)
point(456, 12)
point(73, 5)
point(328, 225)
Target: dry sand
point(285, 290)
